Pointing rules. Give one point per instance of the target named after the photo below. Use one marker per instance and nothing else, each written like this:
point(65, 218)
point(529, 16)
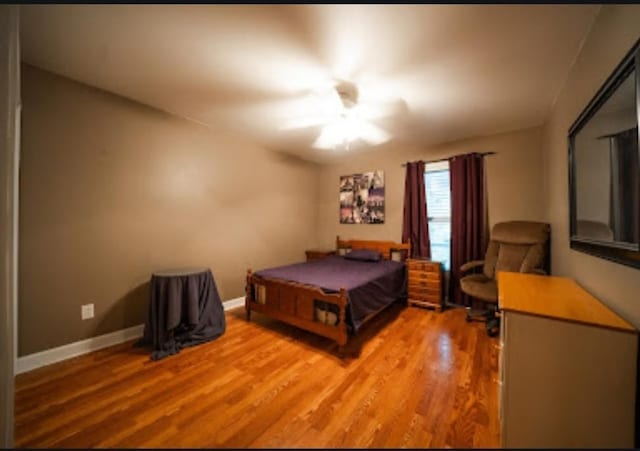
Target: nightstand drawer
point(426, 266)
point(424, 283)
point(422, 291)
point(423, 275)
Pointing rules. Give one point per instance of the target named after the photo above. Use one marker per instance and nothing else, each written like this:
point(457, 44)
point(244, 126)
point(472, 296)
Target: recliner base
point(480, 315)
point(488, 316)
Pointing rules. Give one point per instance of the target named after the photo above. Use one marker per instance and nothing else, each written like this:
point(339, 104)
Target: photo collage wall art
point(362, 198)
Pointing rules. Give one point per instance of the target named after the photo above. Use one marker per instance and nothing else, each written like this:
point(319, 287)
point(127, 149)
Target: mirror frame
point(630, 62)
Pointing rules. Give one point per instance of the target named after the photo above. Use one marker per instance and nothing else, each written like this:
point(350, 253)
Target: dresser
point(567, 366)
point(424, 285)
point(316, 254)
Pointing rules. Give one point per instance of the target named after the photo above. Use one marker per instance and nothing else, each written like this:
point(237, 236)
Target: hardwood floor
point(422, 379)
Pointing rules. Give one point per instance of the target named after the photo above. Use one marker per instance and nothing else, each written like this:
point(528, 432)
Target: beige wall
point(112, 190)
point(614, 32)
point(514, 182)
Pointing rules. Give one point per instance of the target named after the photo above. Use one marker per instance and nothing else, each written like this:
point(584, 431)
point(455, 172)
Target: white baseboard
point(233, 303)
point(49, 356)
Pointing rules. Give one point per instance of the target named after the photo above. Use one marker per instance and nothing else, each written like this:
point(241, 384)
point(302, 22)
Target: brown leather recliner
point(516, 246)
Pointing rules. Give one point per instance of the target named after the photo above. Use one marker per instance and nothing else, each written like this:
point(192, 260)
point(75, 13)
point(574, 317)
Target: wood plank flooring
point(422, 379)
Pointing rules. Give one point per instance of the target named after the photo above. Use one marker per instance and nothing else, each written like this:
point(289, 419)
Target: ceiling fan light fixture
point(348, 93)
point(344, 121)
point(348, 128)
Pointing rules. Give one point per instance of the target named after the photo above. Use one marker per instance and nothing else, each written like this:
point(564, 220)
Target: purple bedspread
point(370, 285)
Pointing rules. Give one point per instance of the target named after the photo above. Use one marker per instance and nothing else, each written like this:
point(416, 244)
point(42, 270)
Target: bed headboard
point(384, 247)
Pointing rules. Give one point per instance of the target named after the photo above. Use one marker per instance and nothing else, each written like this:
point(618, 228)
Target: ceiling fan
point(345, 117)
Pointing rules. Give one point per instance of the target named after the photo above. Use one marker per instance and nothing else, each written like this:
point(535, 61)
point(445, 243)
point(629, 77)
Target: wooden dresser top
point(555, 297)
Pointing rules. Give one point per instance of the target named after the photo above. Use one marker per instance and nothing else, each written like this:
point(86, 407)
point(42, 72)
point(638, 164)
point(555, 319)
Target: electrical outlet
point(86, 311)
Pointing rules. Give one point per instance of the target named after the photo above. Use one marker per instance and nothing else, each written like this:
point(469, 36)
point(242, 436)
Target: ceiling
point(458, 70)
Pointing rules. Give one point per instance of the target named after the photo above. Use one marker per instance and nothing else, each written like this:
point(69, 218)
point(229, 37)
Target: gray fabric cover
point(184, 310)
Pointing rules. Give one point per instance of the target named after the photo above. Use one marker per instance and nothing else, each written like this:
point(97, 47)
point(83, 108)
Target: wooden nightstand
point(425, 283)
point(315, 254)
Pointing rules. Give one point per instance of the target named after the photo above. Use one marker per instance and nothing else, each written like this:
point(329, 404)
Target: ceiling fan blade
point(372, 134)
point(305, 122)
point(324, 105)
point(378, 110)
point(342, 132)
point(326, 140)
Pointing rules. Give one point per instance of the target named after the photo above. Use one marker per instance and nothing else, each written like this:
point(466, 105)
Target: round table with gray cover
point(184, 310)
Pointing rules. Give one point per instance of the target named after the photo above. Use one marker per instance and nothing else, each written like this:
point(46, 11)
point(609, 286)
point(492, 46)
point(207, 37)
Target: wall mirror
point(604, 170)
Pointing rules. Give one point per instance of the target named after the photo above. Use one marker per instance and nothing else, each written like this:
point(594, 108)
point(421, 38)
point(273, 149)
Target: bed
point(333, 296)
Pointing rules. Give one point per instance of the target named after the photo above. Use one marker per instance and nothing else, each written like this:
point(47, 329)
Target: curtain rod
point(448, 158)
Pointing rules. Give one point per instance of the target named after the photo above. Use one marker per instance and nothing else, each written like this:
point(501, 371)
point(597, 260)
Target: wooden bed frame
point(294, 303)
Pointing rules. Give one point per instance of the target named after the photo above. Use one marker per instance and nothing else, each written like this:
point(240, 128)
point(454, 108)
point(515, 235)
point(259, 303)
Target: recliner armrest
point(540, 272)
point(472, 264)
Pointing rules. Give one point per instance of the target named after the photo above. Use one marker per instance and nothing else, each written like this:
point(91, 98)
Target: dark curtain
point(624, 186)
point(414, 225)
point(468, 217)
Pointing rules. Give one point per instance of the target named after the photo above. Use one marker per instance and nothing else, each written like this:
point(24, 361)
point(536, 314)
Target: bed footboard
point(300, 305)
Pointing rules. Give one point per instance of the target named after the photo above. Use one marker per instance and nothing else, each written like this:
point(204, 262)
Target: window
point(437, 185)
